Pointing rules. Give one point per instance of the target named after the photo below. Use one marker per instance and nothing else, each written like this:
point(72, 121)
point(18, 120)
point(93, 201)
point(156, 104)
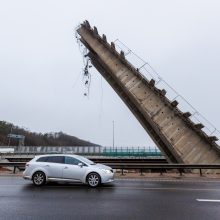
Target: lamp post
point(113, 134)
point(9, 140)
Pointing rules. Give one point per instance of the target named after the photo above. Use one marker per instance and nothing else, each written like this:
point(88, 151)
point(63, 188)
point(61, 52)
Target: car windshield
point(85, 160)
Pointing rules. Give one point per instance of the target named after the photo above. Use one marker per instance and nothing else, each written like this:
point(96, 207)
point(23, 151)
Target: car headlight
point(107, 171)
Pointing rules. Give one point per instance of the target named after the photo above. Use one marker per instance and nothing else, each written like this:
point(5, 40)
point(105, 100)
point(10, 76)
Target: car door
point(72, 170)
point(54, 166)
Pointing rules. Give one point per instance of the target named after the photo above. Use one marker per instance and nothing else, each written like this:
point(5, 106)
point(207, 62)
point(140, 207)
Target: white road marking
point(208, 200)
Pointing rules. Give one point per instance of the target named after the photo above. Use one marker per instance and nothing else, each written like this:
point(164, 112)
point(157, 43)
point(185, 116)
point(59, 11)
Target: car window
point(85, 160)
point(72, 161)
point(42, 159)
point(55, 159)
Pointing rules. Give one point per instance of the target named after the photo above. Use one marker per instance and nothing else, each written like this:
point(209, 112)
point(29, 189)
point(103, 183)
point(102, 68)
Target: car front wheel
point(93, 179)
point(39, 178)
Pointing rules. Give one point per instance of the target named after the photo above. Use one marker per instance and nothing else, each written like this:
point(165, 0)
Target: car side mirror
point(80, 165)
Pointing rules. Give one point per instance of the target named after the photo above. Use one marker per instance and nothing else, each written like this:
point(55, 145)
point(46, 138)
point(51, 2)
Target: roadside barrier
point(137, 166)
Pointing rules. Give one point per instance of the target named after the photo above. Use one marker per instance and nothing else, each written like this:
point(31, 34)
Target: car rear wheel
point(93, 179)
point(39, 178)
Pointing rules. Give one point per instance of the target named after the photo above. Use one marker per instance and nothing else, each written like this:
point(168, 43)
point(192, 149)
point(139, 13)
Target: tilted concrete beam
point(181, 140)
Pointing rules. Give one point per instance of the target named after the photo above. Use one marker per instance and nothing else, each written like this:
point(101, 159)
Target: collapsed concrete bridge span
point(176, 135)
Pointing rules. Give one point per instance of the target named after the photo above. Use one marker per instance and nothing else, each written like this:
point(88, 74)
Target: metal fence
point(131, 152)
point(85, 150)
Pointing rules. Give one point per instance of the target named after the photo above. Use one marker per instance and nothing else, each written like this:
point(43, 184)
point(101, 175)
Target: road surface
point(124, 199)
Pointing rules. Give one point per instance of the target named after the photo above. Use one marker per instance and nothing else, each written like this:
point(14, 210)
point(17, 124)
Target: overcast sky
point(40, 62)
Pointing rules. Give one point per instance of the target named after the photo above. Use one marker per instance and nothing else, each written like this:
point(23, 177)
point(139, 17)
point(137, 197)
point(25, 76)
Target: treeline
point(38, 139)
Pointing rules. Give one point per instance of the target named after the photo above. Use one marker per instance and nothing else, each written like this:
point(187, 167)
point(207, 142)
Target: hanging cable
point(86, 76)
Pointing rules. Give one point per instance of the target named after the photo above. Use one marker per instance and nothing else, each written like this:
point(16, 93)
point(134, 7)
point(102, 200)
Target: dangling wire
point(86, 76)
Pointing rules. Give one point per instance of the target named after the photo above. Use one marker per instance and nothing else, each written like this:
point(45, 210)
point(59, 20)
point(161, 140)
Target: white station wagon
point(67, 168)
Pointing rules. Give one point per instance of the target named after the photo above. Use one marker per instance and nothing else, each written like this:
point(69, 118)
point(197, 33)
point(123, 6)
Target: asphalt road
point(124, 199)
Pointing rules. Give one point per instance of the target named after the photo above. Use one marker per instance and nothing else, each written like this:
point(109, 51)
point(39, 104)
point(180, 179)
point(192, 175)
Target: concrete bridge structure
point(175, 134)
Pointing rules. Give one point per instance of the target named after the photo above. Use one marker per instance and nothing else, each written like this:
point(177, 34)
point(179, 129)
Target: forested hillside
point(38, 139)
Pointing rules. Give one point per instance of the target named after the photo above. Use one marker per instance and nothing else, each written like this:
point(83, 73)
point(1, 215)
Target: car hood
point(102, 166)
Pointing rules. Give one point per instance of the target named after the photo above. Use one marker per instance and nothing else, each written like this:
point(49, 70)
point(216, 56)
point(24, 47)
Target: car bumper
point(27, 177)
point(108, 178)
point(109, 181)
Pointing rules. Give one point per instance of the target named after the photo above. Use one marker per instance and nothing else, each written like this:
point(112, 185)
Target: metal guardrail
point(12, 164)
point(121, 160)
point(138, 166)
point(164, 167)
point(42, 153)
point(129, 160)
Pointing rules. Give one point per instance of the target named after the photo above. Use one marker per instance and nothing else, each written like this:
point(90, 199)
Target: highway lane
point(124, 199)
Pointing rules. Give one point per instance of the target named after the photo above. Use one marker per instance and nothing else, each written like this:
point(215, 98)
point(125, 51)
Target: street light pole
point(9, 140)
point(113, 134)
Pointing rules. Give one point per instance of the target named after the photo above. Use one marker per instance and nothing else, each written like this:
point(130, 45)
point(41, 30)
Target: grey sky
point(40, 62)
